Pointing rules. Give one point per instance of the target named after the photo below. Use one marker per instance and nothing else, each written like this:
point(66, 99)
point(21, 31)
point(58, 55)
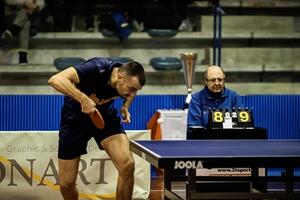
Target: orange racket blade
point(97, 119)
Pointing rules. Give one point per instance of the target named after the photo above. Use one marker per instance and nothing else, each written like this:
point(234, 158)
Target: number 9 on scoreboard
point(244, 116)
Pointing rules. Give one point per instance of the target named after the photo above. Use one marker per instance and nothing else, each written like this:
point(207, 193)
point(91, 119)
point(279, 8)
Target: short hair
point(205, 72)
point(134, 69)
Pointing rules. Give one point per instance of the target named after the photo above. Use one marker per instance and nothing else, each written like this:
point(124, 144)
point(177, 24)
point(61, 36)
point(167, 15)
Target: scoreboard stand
point(230, 118)
point(234, 123)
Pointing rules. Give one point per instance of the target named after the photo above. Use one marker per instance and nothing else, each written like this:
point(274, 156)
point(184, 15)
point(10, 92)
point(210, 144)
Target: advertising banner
point(28, 168)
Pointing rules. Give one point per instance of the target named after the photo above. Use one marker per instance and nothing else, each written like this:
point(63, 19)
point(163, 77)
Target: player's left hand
point(126, 117)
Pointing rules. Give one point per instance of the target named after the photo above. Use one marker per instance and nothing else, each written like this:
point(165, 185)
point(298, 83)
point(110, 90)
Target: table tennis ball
point(160, 120)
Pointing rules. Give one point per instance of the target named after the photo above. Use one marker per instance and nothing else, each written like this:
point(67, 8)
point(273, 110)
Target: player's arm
point(124, 110)
point(65, 81)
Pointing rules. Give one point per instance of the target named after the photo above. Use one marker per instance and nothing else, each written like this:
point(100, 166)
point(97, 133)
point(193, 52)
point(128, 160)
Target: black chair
point(62, 63)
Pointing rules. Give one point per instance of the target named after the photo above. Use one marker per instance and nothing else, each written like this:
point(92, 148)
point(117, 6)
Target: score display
point(230, 118)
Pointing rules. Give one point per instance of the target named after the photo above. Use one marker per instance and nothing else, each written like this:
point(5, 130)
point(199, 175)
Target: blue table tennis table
point(191, 154)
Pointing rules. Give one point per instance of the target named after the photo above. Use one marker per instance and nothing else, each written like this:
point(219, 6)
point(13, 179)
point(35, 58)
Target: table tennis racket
point(97, 119)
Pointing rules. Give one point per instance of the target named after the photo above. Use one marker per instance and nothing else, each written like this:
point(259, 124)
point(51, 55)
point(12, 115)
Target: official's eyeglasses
point(213, 80)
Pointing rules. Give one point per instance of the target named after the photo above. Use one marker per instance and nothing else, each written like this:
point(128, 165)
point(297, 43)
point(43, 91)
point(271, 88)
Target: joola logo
point(188, 164)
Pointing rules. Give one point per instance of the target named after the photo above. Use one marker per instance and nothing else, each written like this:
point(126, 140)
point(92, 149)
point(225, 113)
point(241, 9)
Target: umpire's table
point(191, 154)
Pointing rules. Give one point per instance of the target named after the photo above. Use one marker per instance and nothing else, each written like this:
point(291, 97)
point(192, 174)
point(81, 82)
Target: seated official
point(213, 95)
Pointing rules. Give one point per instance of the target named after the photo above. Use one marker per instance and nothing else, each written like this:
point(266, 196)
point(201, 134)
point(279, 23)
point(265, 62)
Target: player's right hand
point(87, 105)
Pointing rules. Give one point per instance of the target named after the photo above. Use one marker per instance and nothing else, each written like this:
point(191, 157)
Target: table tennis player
point(213, 95)
point(91, 85)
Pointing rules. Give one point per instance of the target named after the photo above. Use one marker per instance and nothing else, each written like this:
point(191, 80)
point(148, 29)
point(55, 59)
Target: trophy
point(188, 61)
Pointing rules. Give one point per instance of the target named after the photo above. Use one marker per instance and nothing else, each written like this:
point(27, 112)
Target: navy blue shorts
point(77, 129)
